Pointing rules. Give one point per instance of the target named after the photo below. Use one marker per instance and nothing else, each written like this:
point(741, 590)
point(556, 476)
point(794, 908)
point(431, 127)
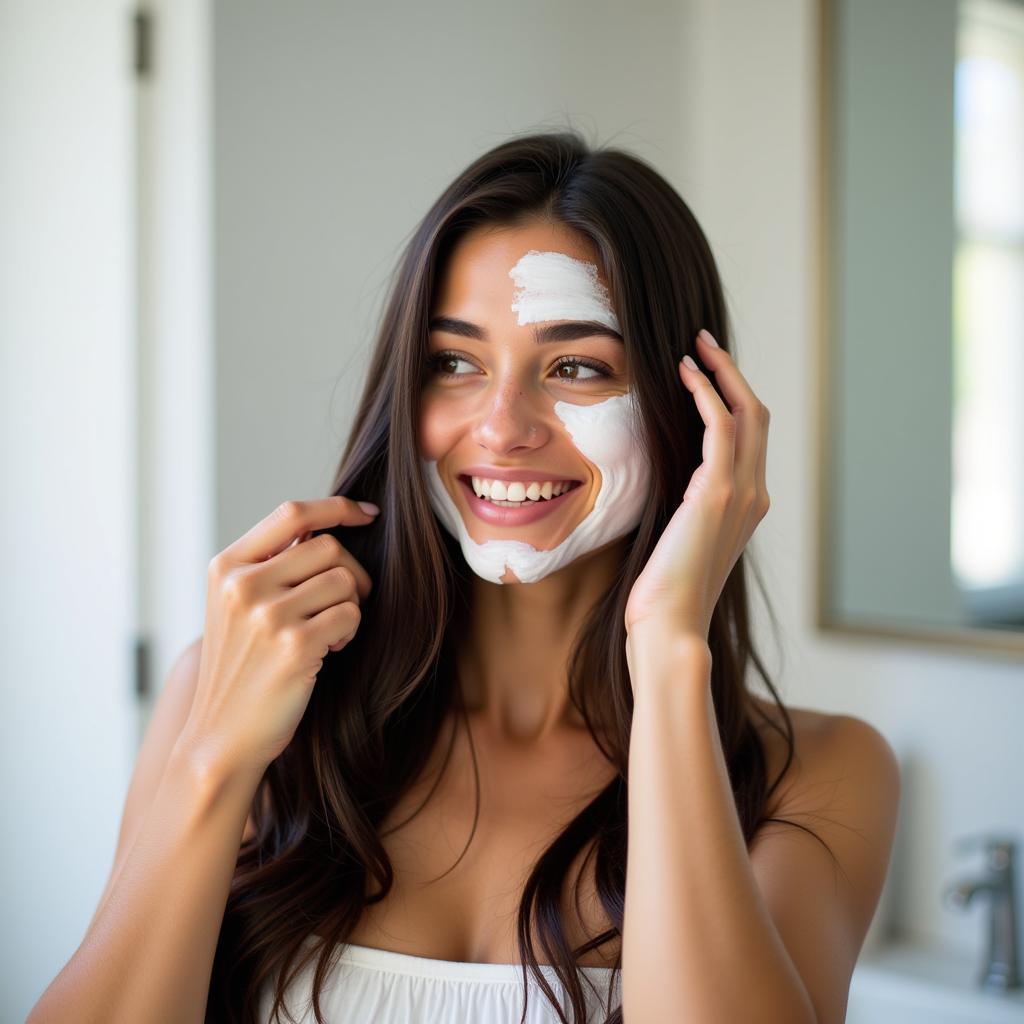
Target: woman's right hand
point(277, 601)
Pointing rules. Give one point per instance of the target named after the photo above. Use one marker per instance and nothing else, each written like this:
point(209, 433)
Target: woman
point(426, 722)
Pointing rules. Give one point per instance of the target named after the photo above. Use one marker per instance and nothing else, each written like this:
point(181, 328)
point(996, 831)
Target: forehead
point(476, 274)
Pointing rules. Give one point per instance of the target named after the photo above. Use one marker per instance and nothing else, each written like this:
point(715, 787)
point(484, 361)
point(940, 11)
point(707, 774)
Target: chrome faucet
point(1001, 971)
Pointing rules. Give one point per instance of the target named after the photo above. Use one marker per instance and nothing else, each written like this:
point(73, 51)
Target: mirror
point(921, 321)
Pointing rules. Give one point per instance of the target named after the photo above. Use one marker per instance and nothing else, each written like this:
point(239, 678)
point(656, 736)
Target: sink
point(911, 984)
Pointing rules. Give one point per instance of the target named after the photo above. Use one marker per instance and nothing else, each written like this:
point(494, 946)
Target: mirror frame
point(827, 621)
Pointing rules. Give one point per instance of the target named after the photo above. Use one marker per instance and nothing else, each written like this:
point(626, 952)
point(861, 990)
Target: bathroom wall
point(67, 520)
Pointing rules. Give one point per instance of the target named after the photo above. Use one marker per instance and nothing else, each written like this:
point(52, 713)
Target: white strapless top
point(379, 986)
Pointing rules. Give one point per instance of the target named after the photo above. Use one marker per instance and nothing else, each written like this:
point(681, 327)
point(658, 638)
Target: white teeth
point(516, 493)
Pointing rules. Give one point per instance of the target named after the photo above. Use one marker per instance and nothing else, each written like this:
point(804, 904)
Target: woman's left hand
point(726, 498)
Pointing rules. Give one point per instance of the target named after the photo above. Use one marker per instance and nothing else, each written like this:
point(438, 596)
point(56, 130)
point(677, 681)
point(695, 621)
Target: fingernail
point(689, 362)
point(706, 335)
point(368, 506)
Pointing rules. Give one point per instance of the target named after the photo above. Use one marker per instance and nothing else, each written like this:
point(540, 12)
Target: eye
point(438, 364)
point(576, 363)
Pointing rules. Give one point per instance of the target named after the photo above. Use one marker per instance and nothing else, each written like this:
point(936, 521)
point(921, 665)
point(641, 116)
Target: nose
point(510, 420)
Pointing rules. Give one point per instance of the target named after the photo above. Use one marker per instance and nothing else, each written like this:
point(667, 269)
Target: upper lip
point(525, 476)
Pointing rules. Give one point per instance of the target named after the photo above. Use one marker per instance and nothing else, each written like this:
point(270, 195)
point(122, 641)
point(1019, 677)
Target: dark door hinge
point(142, 42)
point(143, 684)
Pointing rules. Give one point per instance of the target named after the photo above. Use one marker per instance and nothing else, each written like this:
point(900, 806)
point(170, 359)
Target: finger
point(297, 564)
point(335, 586)
point(743, 403)
point(336, 625)
point(718, 448)
point(290, 520)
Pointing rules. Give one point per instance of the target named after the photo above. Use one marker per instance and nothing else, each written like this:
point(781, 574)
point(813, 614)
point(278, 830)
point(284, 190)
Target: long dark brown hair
point(378, 705)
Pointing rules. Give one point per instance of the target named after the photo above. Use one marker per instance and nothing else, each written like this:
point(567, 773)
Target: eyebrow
point(571, 331)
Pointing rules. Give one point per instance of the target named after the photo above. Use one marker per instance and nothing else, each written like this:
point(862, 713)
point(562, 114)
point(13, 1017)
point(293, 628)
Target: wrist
point(210, 768)
point(205, 795)
point(659, 657)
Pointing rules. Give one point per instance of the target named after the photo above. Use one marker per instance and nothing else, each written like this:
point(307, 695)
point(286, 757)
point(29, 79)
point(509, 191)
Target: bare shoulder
point(810, 729)
point(821, 880)
point(825, 747)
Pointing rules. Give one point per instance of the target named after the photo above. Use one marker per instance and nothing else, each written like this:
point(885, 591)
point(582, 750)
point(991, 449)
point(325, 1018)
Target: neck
point(513, 661)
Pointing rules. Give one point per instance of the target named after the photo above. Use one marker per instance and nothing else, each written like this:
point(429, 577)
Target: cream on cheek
point(554, 286)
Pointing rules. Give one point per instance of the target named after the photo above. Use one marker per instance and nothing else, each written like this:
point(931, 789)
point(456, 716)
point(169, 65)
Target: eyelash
point(439, 357)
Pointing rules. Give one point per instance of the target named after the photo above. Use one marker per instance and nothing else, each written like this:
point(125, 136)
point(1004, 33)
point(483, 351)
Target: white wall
point(67, 525)
point(105, 413)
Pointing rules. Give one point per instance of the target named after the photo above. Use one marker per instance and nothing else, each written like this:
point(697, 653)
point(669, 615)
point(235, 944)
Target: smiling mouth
point(528, 502)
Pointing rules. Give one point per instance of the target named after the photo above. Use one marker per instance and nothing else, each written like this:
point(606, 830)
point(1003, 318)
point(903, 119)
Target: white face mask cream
point(554, 286)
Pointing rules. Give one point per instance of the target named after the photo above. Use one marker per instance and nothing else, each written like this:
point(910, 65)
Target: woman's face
point(502, 405)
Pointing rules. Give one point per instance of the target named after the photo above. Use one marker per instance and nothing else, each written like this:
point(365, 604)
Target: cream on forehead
point(554, 286)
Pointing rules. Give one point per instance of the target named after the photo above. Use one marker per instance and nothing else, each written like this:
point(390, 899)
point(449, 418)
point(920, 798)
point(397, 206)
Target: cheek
point(439, 427)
